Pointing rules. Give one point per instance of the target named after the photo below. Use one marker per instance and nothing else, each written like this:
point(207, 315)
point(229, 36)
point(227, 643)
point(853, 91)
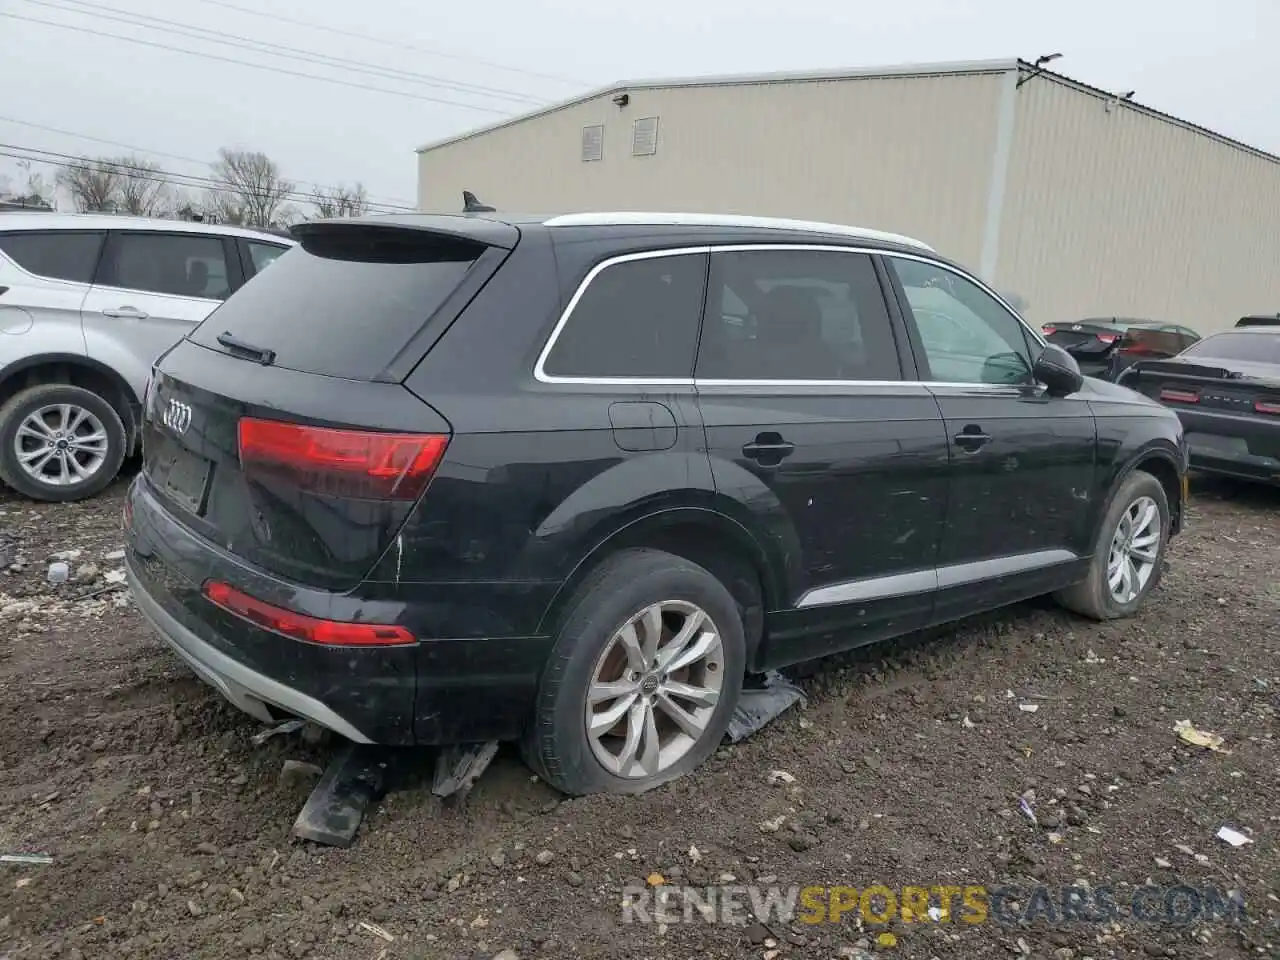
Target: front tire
point(643, 678)
point(1128, 556)
point(59, 442)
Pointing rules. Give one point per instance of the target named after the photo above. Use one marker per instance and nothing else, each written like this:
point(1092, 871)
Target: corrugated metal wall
point(1126, 214)
point(908, 154)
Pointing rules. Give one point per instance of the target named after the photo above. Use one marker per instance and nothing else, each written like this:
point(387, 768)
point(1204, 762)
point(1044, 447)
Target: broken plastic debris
point(694, 854)
point(759, 706)
point(967, 723)
point(655, 880)
point(25, 858)
point(1026, 808)
point(459, 767)
point(289, 726)
point(887, 940)
point(1028, 707)
point(778, 777)
point(1199, 738)
point(1233, 837)
point(376, 930)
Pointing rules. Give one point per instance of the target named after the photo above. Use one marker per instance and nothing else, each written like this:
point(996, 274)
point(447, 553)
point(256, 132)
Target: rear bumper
point(252, 692)
point(440, 690)
point(1228, 444)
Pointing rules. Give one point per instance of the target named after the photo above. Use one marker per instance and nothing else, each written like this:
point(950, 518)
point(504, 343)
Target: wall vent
point(593, 142)
point(644, 137)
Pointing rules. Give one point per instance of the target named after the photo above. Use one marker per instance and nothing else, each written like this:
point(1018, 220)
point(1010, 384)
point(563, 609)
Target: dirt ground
point(170, 832)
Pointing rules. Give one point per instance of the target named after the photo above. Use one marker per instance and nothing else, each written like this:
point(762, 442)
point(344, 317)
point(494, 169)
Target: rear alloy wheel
point(643, 678)
point(59, 442)
point(1128, 555)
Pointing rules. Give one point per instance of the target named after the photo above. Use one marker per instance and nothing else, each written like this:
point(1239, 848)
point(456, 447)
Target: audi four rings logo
point(177, 416)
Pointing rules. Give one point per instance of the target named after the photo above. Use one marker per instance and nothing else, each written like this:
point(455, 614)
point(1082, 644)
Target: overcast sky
point(1208, 62)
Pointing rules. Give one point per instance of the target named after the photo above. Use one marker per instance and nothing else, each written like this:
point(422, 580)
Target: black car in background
point(1226, 390)
point(436, 479)
point(1104, 346)
point(1260, 320)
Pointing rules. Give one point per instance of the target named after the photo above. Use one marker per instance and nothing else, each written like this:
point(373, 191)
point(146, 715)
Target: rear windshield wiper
point(237, 346)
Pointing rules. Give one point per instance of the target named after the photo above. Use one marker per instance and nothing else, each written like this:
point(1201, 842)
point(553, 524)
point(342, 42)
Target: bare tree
point(94, 184)
point(253, 189)
point(34, 191)
point(341, 201)
point(143, 189)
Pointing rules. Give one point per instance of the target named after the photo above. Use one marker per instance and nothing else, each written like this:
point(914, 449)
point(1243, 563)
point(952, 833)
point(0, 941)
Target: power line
point(191, 181)
point(391, 202)
point(350, 34)
point(255, 66)
point(240, 42)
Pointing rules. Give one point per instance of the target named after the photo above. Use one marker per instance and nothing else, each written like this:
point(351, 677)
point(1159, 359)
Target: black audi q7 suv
point(434, 479)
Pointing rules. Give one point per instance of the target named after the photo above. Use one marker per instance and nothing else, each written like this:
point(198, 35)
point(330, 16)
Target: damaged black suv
point(440, 479)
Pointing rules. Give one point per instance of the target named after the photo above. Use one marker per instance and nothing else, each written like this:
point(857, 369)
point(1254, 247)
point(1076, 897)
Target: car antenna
point(471, 205)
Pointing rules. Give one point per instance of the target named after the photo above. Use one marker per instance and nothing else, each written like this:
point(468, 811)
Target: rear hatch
point(280, 429)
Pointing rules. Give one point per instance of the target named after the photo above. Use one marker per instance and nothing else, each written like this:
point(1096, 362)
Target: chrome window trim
point(540, 374)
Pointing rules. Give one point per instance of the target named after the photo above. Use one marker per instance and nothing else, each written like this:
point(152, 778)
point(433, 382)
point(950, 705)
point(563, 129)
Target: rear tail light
point(1048, 329)
point(1267, 406)
point(301, 627)
point(1179, 396)
point(1108, 337)
point(342, 463)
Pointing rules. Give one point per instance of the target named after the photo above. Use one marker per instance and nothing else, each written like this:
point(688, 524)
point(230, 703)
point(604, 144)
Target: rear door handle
point(768, 446)
point(972, 439)
point(125, 313)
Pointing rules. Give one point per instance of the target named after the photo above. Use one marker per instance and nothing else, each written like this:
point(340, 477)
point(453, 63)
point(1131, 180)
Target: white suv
point(87, 303)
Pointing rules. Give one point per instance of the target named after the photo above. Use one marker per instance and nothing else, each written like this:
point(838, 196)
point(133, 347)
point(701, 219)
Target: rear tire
point(636, 589)
point(1135, 531)
point(97, 442)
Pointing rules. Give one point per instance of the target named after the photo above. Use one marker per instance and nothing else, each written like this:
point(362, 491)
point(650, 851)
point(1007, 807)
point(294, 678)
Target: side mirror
point(1058, 371)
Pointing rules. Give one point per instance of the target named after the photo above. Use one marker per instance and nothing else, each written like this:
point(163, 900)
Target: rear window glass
point(344, 303)
point(58, 255)
point(636, 318)
point(1258, 347)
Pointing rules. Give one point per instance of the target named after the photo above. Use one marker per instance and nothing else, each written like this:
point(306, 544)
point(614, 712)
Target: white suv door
point(44, 277)
point(151, 290)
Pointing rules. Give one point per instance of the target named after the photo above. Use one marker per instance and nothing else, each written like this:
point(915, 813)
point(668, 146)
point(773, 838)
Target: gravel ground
point(170, 831)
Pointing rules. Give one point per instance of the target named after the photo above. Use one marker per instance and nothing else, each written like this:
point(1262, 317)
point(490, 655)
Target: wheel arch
point(702, 535)
point(79, 371)
point(1163, 465)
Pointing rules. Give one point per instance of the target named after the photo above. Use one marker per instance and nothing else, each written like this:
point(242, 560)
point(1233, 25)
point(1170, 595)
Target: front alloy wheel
point(1128, 552)
point(1135, 550)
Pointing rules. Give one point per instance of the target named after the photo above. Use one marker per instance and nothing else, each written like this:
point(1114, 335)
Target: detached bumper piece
point(354, 779)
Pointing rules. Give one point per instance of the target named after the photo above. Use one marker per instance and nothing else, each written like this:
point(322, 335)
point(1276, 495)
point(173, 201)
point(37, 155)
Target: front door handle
point(768, 447)
point(125, 313)
point(972, 438)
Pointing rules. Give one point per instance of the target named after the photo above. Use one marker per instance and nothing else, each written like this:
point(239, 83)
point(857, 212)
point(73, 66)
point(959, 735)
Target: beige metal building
point(1079, 201)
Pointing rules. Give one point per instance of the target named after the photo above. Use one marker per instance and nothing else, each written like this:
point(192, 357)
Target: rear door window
point(636, 319)
point(344, 302)
point(174, 264)
point(796, 315)
point(55, 254)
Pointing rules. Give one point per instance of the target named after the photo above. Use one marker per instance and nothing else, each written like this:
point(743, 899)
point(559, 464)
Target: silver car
point(87, 303)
